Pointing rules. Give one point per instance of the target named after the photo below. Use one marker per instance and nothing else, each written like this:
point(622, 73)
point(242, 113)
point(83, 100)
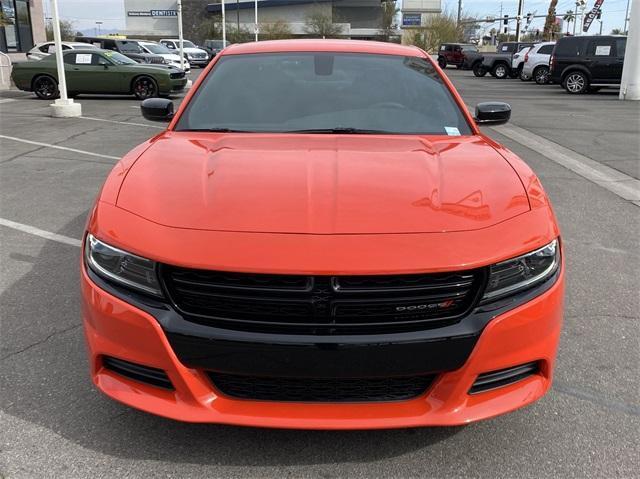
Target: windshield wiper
point(341, 131)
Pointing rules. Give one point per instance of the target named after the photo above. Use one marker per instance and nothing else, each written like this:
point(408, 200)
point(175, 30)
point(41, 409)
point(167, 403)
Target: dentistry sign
point(152, 13)
point(591, 16)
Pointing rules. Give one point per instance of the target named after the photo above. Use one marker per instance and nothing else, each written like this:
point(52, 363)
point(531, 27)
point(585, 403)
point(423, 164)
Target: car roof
point(317, 45)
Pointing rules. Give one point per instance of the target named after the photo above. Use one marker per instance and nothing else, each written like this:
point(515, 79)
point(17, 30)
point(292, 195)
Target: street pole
point(575, 19)
point(64, 106)
point(459, 12)
point(256, 18)
point(237, 15)
point(519, 19)
point(224, 26)
point(626, 17)
point(630, 85)
point(180, 39)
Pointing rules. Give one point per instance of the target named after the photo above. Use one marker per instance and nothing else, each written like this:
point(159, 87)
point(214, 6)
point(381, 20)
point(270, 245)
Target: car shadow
point(45, 382)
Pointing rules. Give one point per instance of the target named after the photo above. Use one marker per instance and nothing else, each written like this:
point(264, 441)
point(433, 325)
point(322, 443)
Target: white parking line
point(32, 230)
point(122, 122)
point(625, 186)
point(8, 100)
point(57, 147)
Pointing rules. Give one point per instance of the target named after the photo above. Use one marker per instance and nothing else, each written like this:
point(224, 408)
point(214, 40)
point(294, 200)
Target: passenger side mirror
point(157, 109)
point(492, 113)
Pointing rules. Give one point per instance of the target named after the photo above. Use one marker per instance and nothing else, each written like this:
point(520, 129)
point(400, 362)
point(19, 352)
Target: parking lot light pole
point(256, 19)
point(224, 26)
point(181, 42)
point(630, 85)
point(63, 107)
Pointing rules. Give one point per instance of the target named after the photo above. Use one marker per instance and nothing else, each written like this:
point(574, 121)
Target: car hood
point(322, 184)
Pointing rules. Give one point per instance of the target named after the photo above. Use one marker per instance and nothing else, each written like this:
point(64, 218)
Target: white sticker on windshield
point(83, 58)
point(603, 50)
point(452, 131)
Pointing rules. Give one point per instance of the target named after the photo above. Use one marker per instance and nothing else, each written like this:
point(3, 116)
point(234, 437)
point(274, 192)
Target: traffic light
point(506, 20)
point(599, 15)
point(529, 17)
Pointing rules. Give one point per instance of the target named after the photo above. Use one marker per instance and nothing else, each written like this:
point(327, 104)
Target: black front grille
point(138, 372)
point(503, 377)
point(176, 75)
point(321, 389)
point(321, 305)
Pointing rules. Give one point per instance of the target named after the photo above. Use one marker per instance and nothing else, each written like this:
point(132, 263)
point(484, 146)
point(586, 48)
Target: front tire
point(479, 70)
point(45, 88)
point(541, 75)
point(442, 63)
point(576, 83)
point(500, 71)
point(145, 87)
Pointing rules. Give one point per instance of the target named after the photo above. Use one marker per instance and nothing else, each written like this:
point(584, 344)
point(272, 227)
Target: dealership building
point(21, 25)
point(358, 19)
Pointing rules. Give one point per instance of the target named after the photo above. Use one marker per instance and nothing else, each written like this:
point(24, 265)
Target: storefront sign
point(152, 13)
point(411, 19)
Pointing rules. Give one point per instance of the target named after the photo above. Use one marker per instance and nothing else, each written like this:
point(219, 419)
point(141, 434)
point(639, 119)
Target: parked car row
point(165, 51)
point(580, 64)
point(96, 70)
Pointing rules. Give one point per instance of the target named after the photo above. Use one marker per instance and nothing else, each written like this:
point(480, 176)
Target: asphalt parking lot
point(586, 150)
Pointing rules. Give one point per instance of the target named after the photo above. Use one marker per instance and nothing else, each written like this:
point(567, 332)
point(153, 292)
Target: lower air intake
point(321, 389)
point(137, 372)
point(503, 377)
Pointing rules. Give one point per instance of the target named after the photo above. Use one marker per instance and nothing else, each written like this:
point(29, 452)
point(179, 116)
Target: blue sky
point(84, 13)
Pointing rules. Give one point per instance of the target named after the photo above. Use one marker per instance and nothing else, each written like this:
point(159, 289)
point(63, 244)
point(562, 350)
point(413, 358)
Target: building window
point(15, 32)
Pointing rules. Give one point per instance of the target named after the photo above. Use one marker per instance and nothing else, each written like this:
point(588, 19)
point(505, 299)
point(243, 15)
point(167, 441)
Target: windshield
point(131, 47)
point(156, 48)
point(185, 44)
point(324, 92)
point(119, 58)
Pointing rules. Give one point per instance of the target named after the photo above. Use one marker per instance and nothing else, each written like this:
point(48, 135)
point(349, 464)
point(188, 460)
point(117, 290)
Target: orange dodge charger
point(322, 238)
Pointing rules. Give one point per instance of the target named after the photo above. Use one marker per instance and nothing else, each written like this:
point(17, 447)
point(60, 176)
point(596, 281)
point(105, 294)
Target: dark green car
point(98, 71)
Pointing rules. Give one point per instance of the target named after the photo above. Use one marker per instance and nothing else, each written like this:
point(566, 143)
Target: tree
point(238, 35)
point(278, 30)
point(4, 21)
point(320, 24)
point(66, 30)
point(210, 29)
point(550, 22)
point(388, 26)
point(617, 31)
point(569, 17)
point(441, 28)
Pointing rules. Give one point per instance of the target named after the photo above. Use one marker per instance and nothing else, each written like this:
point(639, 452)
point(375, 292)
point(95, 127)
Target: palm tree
point(569, 17)
point(617, 31)
point(550, 21)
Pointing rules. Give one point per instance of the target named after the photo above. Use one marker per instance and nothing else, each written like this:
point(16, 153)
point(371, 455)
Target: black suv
point(583, 64)
point(129, 48)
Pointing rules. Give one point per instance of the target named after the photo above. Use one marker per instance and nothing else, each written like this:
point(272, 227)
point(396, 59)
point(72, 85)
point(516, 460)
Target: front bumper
point(502, 339)
point(201, 62)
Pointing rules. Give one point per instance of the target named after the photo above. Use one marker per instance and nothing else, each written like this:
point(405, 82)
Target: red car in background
point(322, 238)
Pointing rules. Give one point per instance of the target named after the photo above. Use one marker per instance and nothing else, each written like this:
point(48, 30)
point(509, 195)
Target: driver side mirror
point(492, 113)
point(157, 109)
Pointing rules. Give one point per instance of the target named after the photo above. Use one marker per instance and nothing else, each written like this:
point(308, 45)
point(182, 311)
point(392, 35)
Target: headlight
point(517, 274)
point(121, 267)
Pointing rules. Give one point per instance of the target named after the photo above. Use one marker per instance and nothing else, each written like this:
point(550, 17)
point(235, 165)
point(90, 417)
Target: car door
point(621, 45)
point(457, 55)
point(601, 59)
point(92, 73)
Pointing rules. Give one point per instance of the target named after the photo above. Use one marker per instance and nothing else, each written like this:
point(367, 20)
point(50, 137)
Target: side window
point(546, 50)
point(621, 45)
point(600, 48)
point(66, 47)
point(46, 48)
point(99, 60)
